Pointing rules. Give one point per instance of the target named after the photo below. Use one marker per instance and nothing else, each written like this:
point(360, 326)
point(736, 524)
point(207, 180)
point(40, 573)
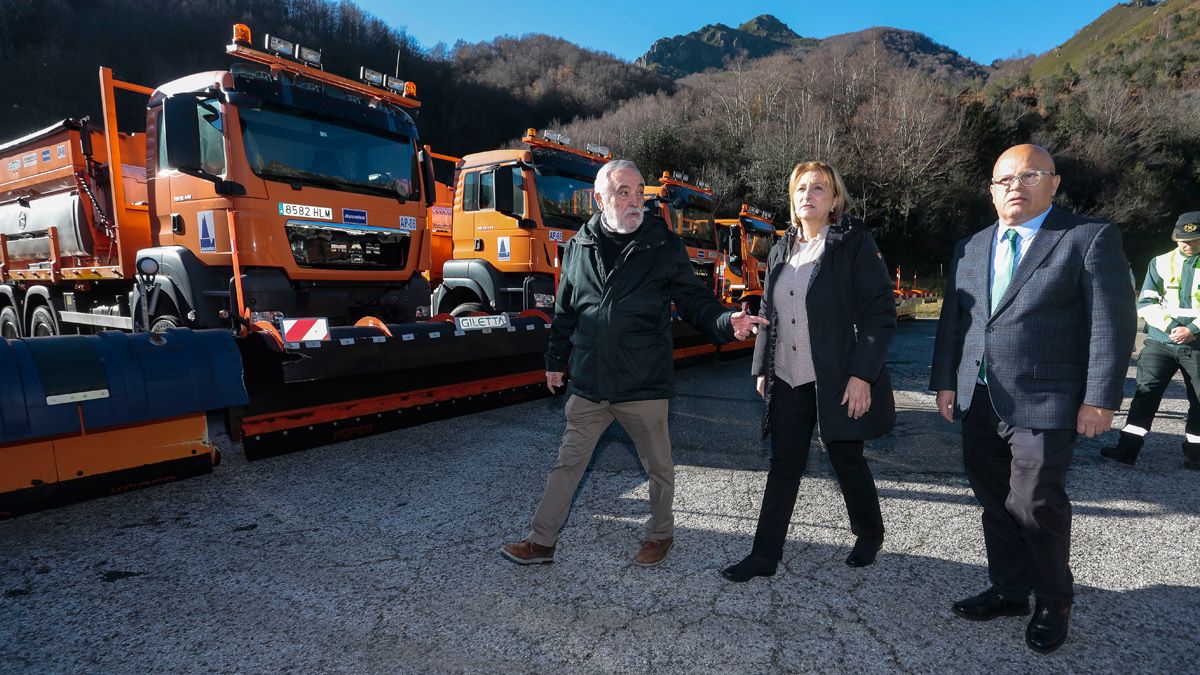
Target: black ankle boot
point(751, 566)
point(1127, 449)
point(1191, 456)
point(864, 551)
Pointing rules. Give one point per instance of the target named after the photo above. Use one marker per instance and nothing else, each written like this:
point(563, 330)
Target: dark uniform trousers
point(1157, 364)
point(1019, 477)
point(793, 419)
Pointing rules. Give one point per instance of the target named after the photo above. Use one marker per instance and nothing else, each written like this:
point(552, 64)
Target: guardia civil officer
point(1170, 304)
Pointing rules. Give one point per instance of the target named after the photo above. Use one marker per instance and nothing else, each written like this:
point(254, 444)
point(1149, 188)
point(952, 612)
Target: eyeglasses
point(1028, 179)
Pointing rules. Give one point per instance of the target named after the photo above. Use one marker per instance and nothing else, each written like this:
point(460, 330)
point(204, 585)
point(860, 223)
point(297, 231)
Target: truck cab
point(321, 180)
point(274, 188)
point(688, 209)
point(745, 242)
point(513, 211)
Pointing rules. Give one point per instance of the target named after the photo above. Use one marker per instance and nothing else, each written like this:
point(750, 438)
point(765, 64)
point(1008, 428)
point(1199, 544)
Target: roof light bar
point(601, 150)
point(755, 211)
point(279, 46)
point(556, 137)
point(371, 76)
point(395, 84)
point(309, 55)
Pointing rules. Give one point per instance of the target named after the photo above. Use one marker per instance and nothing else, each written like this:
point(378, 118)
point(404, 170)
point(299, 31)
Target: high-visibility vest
point(1170, 294)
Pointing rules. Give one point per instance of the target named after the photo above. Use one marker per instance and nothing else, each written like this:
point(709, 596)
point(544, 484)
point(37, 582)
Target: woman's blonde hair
point(841, 201)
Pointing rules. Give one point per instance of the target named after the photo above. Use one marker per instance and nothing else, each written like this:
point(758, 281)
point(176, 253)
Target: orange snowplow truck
point(688, 209)
point(271, 189)
point(745, 243)
point(513, 211)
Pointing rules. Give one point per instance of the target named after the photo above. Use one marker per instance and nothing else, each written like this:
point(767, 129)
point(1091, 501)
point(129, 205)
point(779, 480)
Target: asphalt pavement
point(381, 555)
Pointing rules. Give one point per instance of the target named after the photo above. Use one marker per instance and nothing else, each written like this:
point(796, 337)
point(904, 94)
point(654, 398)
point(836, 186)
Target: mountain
point(714, 45)
point(912, 50)
point(1145, 35)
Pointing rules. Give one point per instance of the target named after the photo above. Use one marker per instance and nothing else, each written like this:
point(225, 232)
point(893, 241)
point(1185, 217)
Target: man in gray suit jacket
point(1032, 349)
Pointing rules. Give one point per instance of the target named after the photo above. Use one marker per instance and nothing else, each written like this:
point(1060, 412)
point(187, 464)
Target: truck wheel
point(163, 323)
point(42, 323)
point(466, 309)
point(9, 326)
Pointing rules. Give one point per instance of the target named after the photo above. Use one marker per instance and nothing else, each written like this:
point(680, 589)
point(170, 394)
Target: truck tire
point(42, 323)
point(10, 328)
point(163, 323)
point(466, 309)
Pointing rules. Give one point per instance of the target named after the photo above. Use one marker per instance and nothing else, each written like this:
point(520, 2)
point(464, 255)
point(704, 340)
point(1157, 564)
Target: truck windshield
point(566, 201)
point(297, 146)
point(695, 226)
point(759, 237)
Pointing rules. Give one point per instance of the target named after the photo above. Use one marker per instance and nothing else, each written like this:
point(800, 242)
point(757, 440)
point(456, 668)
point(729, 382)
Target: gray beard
point(612, 223)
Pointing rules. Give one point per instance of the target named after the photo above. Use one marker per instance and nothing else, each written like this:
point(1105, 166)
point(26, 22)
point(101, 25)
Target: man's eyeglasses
point(1028, 179)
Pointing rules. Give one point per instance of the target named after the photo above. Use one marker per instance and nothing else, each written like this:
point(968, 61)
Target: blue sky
point(981, 30)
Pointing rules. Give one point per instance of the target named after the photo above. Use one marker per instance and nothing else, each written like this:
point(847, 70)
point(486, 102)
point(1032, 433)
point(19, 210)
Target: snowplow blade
point(368, 380)
point(84, 416)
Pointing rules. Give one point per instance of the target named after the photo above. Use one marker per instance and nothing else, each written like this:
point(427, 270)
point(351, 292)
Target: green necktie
point(1006, 264)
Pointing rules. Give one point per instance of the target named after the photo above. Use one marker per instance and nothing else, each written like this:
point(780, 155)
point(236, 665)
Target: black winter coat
point(851, 320)
point(614, 328)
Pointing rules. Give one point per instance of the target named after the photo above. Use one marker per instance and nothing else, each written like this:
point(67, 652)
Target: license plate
point(481, 322)
point(305, 211)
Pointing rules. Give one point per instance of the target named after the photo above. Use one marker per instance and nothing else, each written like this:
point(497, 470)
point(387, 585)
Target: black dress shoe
point(751, 566)
point(989, 605)
point(1115, 454)
point(1191, 456)
point(1127, 448)
point(1047, 629)
point(864, 552)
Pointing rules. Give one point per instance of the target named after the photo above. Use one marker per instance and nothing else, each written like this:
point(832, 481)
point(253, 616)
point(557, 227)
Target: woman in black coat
point(820, 363)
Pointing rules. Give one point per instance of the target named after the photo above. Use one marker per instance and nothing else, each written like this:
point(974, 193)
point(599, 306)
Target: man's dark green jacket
point(613, 327)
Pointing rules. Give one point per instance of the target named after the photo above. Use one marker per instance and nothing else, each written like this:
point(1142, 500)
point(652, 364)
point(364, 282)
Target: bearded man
point(612, 327)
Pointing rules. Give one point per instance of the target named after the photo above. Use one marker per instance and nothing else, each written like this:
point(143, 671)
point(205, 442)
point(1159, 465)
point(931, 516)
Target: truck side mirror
point(505, 202)
point(182, 125)
point(181, 122)
point(427, 177)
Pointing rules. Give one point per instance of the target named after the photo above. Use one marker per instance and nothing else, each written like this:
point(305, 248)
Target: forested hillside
point(917, 149)
point(474, 96)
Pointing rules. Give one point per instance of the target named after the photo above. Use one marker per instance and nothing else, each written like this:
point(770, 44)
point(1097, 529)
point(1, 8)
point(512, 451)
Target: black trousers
point(1156, 366)
point(793, 419)
point(1019, 477)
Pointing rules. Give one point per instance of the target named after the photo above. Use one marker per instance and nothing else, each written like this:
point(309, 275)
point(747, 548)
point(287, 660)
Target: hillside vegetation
point(474, 95)
point(917, 148)
point(1146, 38)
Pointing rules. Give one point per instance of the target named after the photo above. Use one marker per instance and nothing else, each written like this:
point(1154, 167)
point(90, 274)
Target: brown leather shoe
point(526, 552)
point(653, 552)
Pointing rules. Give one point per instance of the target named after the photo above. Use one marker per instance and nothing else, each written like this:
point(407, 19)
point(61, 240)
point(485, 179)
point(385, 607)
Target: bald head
point(1017, 202)
point(1027, 152)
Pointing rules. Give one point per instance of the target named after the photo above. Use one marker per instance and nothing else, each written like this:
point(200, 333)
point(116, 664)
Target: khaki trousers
point(646, 424)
